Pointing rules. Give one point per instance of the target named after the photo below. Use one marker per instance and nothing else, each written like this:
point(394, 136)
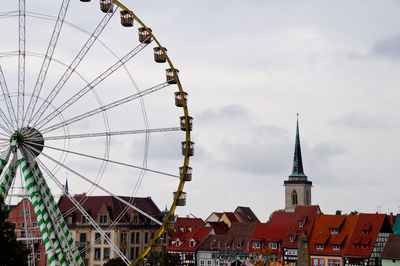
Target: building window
point(137, 252)
point(334, 231)
point(319, 246)
point(83, 219)
point(106, 253)
point(38, 254)
point(291, 239)
point(109, 237)
point(256, 244)
point(97, 254)
point(192, 243)
point(132, 255)
point(294, 197)
point(146, 238)
point(82, 238)
point(335, 247)
point(69, 220)
point(97, 238)
point(23, 225)
point(301, 223)
point(123, 237)
point(202, 263)
point(273, 245)
point(34, 225)
point(137, 238)
point(333, 262)
point(209, 263)
point(22, 213)
point(83, 253)
point(318, 262)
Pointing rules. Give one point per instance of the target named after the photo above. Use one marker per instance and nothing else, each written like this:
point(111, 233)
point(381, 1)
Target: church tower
point(297, 188)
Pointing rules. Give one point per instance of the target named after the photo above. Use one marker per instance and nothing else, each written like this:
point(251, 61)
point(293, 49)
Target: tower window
point(294, 197)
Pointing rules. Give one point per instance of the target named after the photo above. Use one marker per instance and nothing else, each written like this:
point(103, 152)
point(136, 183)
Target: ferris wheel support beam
point(84, 213)
point(103, 189)
point(49, 216)
point(106, 107)
point(104, 160)
point(93, 84)
point(113, 133)
point(21, 62)
point(7, 177)
point(7, 98)
point(7, 127)
point(71, 69)
point(47, 59)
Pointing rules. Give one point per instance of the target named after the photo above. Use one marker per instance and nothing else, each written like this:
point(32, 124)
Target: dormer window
point(256, 244)
point(69, 220)
point(83, 219)
point(291, 239)
point(103, 219)
point(301, 223)
point(273, 245)
point(334, 231)
point(192, 243)
point(335, 247)
point(319, 246)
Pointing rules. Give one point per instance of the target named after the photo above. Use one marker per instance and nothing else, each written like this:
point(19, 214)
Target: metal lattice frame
point(23, 123)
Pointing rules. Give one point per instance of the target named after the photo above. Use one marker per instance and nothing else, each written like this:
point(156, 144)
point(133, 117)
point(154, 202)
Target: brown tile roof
point(245, 214)
point(92, 205)
point(236, 239)
point(219, 227)
point(392, 247)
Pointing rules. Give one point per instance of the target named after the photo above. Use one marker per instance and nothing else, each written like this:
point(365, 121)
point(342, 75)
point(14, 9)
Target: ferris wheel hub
point(29, 138)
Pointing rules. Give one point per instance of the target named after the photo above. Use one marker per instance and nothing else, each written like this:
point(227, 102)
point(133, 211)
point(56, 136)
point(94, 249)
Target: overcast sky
point(249, 67)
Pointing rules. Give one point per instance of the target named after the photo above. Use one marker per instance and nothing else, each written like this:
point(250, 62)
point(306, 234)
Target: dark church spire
point(297, 170)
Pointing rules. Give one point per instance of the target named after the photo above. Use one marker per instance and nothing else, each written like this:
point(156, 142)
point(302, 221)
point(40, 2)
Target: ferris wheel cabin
point(188, 146)
point(185, 173)
point(186, 125)
point(159, 54)
point(144, 35)
point(171, 223)
point(181, 200)
point(126, 18)
point(106, 6)
point(179, 100)
point(170, 75)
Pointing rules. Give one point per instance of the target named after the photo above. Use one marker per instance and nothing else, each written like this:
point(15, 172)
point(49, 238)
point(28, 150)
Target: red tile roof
point(322, 235)
point(301, 213)
point(365, 233)
point(186, 224)
point(274, 231)
point(190, 241)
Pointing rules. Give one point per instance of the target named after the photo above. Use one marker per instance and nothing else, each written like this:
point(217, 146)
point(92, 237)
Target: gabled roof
point(231, 216)
point(301, 213)
point(274, 231)
point(186, 224)
point(236, 239)
point(392, 247)
point(365, 234)
point(322, 235)
point(216, 214)
point(246, 215)
point(93, 204)
point(196, 237)
point(219, 227)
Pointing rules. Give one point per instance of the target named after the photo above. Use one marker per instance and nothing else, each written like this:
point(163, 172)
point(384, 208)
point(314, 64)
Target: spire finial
point(297, 170)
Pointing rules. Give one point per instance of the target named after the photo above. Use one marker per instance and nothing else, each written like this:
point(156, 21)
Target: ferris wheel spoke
point(8, 14)
point(102, 159)
point(94, 83)
point(114, 133)
point(8, 126)
point(21, 61)
point(106, 107)
point(7, 98)
point(47, 59)
point(102, 188)
point(84, 212)
point(71, 69)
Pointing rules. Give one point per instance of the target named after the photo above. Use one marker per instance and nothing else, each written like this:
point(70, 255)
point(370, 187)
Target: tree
point(12, 253)
point(115, 262)
point(170, 259)
point(355, 212)
point(338, 212)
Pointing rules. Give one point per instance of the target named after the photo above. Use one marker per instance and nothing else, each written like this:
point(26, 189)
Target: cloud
point(360, 120)
point(227, 113)
point(389, 47)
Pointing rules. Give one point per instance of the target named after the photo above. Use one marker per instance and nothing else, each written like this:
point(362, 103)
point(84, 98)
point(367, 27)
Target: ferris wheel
point(89, 93)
